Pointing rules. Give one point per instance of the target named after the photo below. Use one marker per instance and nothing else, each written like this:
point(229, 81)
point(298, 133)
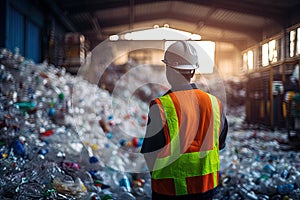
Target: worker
point(186, 129)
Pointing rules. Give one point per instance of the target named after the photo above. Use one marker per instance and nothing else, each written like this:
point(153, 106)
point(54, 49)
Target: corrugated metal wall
point(32, 41)
point(15, 30)
point(22, 33)
point(3, 17)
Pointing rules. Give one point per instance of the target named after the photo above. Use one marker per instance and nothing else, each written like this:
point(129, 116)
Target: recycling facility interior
point(77, 76)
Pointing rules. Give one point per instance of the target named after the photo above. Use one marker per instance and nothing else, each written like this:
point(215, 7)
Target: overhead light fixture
point(195, 37)
point(157, 33)
point(166, 26)
point(113, 37)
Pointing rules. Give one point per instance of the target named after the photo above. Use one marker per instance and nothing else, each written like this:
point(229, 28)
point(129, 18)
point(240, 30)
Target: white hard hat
point(181, 55)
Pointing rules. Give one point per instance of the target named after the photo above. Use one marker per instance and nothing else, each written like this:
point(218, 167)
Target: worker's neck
point(179, 84)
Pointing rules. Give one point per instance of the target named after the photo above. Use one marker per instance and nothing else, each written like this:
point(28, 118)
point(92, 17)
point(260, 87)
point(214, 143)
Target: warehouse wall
point(2, 22)
point(228, 59)
point(31, 27)
point(22, 28)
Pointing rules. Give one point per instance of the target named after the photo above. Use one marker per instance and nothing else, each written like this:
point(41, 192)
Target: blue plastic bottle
point(285, 188)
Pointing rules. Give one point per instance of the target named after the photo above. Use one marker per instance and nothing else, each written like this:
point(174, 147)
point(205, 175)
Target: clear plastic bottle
point(89, 196)
point(246, 193)
point(147, 189)
point(125, 195)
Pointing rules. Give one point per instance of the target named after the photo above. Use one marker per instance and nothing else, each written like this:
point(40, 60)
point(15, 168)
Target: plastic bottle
point(89, 196)
point(270, 169)
point(147, 189)
point(137, 185)
point(285, 173)
point(246, 193)
point(295, 194)
point(285, 188)
point(125, 195)
point(106, 195)
point(124, 182)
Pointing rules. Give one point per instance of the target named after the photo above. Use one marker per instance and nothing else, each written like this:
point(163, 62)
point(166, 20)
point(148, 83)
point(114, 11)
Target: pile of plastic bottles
point(255, 166)
point(64, 138)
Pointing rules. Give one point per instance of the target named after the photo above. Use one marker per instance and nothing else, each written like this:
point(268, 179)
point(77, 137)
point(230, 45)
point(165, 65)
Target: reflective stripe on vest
point(175, 166)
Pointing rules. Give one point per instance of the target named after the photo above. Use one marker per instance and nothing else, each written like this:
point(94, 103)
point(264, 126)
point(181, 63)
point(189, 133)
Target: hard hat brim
point(182, 67)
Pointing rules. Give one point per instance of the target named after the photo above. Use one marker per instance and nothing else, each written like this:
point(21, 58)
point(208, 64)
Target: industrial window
point(269, 52)
point(265, 56)
point(295, 42)
point(292, 43)
point(298, 41)
point(248, 61)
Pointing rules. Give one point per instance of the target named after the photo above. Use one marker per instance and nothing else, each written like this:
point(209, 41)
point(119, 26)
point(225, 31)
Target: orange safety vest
point(189, 163)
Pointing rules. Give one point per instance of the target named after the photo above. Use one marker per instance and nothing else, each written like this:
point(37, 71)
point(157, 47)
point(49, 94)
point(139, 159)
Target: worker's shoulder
point(207, 93)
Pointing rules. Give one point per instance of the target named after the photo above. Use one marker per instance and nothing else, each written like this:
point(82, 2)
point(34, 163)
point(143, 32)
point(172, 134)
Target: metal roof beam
point(257, 9)
point(79, 6)
point(59, 14)
point(261, 9)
